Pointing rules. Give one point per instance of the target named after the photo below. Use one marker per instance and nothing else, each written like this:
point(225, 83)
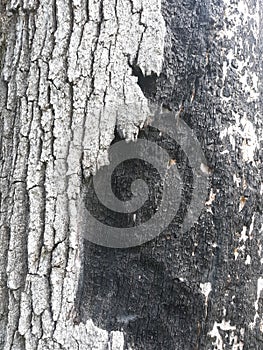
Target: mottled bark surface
point(79, 75)
point(201, 290)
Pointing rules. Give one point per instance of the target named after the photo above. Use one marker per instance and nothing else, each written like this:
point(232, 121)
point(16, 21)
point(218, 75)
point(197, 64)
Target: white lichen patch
point(243, 237)
point(245, 129)
point(246, 68)
point(230, 337)
point(212, 197)
point(206, 289)
point(248, 260)
point(237, 180)
point(257, 315)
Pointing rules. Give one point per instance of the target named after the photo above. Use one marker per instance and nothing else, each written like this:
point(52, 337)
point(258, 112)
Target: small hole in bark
point(146, 83)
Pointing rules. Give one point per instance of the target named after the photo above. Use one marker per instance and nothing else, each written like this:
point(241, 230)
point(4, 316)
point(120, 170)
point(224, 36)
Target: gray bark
point(79, 75)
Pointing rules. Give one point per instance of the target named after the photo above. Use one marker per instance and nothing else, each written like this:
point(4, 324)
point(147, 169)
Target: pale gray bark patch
point(66, 84)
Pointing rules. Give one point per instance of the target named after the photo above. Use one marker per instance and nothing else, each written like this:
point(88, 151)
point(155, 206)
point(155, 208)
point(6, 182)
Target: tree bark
point(78, 76)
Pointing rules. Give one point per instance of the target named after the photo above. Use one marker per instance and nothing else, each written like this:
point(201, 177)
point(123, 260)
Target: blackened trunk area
point(153, 292)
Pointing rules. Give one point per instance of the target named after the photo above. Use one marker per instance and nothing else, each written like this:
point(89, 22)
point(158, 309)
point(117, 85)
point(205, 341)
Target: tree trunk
point(78, 76)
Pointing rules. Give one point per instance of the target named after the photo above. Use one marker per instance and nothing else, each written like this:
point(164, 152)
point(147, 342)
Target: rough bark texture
point(78, 75)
